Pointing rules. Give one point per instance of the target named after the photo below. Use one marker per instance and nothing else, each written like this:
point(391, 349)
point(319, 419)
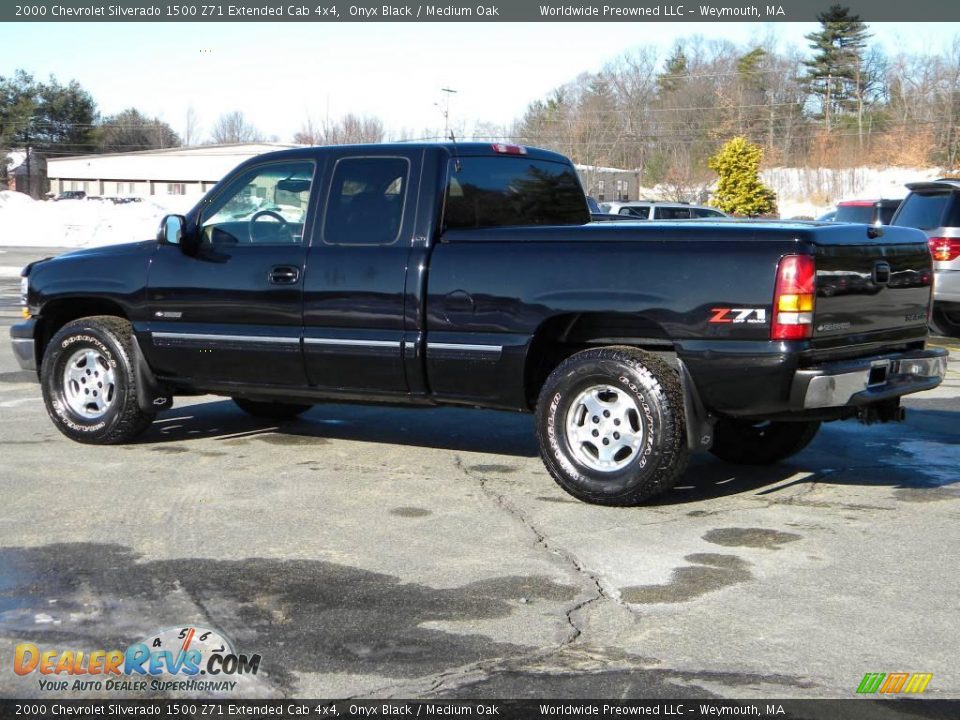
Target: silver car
point(655, 210)
point(934, 207)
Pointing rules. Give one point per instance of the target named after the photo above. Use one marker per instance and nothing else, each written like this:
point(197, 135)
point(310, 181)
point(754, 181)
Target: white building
point(177, 171)
point(608, 183)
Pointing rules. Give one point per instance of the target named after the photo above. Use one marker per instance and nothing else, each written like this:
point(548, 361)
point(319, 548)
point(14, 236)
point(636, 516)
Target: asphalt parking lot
point(379, 552)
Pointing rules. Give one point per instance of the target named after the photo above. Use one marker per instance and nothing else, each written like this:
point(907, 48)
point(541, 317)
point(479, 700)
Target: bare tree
point(348, 130)
point(309, 133)
point(232, 127)
point(191, 128)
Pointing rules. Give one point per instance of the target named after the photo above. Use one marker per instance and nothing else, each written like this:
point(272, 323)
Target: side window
point(673, 213)
point(704, 213)
point(366, 201)
point(640, 212)
point(266, 205)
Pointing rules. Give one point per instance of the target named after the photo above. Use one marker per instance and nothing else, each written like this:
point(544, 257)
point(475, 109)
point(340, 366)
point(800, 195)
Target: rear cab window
point(488, 192)
point(927, 209)
point(854, 214)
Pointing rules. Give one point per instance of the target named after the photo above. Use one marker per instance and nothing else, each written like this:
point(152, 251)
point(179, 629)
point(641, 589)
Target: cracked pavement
point(382, 552)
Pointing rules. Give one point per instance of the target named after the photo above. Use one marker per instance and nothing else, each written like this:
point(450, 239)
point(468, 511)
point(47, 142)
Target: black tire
point(945, 322)
point(620, 376)
point(760, 443)
point(109, 342)
point(271, 410)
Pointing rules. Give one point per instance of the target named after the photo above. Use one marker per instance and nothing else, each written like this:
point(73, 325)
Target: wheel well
point(561, 336)
point(58, 313)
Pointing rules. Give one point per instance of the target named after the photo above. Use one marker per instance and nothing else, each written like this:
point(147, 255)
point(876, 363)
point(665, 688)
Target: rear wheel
point(89, 381)
point(760, 443)
point(271, 410)
point(610, 426)
point(945, 322)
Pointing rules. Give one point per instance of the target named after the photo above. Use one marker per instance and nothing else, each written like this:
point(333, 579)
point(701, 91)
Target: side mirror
point(171, 230)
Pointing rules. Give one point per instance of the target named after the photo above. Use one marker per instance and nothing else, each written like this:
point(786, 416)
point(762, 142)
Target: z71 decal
point(739, 315)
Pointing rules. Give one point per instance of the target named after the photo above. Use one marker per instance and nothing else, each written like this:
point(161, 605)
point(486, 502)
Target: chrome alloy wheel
point(89, 384)
point(604, 429)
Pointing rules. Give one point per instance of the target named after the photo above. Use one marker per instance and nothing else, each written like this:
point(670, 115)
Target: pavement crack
point(591, 579)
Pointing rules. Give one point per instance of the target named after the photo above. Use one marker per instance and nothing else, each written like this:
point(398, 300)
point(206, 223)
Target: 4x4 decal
point(739, 315)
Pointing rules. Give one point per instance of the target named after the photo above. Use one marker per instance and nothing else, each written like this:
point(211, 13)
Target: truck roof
point(463, 149)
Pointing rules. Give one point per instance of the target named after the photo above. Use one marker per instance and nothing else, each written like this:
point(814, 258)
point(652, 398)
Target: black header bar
point(330, 11)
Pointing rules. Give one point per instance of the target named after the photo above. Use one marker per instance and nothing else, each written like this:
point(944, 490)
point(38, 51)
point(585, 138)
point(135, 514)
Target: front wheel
point(89, 382)
point(610, 426)
point(760, 443)
point(271, 410)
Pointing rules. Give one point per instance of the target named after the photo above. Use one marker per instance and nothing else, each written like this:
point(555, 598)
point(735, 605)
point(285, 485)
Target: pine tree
point(676, 67)
point(132, 130)
point(835, 73)
point(739, 190)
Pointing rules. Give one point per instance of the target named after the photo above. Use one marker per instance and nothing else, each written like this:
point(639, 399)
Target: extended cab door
point(229, 311)
point(355, 292)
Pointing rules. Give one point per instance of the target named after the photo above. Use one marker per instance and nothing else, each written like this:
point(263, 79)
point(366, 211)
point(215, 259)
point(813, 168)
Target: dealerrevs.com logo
point(176, 659)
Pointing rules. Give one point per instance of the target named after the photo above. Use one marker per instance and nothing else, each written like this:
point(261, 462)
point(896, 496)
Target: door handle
point(283, 275)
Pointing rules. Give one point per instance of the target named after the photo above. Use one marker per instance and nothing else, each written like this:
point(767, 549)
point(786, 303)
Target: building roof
point(202, 163)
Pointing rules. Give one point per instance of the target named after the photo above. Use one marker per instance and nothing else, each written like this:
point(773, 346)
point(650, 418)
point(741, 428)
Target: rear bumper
point(24, 349)
point(867, 380)
point(946, 286)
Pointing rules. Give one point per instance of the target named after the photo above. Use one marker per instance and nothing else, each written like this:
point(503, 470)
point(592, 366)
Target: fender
point(152, 396)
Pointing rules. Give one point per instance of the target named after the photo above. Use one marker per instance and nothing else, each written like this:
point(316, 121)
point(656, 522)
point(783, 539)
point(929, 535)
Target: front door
point(231, 311)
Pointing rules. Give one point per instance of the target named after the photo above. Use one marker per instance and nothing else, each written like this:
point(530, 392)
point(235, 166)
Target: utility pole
point(446, 111)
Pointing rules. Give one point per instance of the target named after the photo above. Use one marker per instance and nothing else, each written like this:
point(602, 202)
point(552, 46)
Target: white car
point(655, 210)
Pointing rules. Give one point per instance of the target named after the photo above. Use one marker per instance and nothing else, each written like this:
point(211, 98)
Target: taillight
point(944, 249)
point(509, 149)
point(793, 298)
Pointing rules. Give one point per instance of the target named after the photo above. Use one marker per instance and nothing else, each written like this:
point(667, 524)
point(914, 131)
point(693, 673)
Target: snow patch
point(84, 223)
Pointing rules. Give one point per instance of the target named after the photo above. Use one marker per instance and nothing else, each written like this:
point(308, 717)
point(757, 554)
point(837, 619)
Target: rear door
point(355, 326)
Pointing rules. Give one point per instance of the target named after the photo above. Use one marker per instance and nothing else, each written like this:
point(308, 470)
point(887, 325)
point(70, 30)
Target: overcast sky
point(278, 73)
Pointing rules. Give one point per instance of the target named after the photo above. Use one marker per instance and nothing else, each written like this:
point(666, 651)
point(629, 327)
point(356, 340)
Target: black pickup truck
point(470, 274)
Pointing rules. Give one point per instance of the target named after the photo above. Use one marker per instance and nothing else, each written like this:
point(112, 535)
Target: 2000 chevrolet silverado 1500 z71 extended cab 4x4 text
point(470, 274)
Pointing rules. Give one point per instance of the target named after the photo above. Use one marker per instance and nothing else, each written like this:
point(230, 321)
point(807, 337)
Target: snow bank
point(814, 191)
point(809, 192)
point(83, 223)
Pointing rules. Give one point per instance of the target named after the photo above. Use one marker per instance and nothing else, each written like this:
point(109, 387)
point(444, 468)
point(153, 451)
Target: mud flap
point(152, 397)
point(699, 422)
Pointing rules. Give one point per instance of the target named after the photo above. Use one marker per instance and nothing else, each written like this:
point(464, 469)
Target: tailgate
point(871, 284)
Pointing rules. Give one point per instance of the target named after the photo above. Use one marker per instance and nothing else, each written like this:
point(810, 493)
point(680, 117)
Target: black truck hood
point(117, 273)
point(129, 248)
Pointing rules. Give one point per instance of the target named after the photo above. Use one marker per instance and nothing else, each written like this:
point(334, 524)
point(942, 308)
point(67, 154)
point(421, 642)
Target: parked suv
point(934, 207)
point(651, 210)
point(869, 212)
